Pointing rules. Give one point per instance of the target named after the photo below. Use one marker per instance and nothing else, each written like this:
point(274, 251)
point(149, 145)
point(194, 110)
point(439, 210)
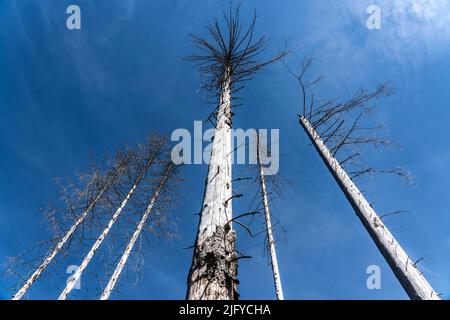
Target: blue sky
point(68, 96)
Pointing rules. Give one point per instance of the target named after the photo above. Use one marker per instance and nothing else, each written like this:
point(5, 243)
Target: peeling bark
point(411, 279)
point(226, 60)
point(214, 265)
point(269, 230)
point(213, 276)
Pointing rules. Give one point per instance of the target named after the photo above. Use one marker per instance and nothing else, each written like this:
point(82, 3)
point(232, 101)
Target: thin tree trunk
point(76, 276)
point(58, 247)
point(412, 281)
point(72, 281)
point(214, 265)
point(269, 230)
point(123, 260)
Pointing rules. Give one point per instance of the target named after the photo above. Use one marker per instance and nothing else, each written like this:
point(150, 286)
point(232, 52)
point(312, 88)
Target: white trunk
point(269, 230)
point(76, 276)
point(214, 264)
point(57, 249)
point(414, 283)
point(123, 260)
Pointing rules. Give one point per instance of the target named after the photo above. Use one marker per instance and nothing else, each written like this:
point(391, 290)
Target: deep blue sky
point(66, 96)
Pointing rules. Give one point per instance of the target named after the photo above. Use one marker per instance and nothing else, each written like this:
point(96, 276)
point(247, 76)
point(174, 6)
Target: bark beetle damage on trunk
point(214, 264)
point(226, 60)
point(215, 267)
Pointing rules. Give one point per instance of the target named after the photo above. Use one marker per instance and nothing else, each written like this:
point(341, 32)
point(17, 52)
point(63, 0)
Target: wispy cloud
point(411, 29)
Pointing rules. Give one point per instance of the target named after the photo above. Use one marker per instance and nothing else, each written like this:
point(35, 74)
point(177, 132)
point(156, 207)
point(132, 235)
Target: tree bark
point(57, 248)
point(123, 260)
point(214, 265)
point(411, 279)
point(269, 230)
point(76, 276)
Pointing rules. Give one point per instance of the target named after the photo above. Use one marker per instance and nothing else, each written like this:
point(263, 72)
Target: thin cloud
point(411, 29)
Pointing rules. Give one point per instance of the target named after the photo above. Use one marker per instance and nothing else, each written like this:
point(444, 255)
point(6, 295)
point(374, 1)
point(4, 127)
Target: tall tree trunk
point(214, 265)
point(123, 260)
point(412, 281)
point(76, 276)
point(58, 247)
point(269, 230)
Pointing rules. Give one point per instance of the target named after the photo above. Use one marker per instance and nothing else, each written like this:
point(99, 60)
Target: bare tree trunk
point(226, 61)
point(413, 282)
point(214, 265)
point(76, 276)
point(58, 247)
point(269, 230)
point(123, 260)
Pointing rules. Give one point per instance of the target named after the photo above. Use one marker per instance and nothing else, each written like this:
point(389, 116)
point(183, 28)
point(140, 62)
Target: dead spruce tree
point(228, 59)
point(136, 170)
point(163, 188)
point(268, 223)
point(336, 129)
point(92, 192)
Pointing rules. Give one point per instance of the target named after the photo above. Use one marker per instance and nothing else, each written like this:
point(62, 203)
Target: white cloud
point(410, 28)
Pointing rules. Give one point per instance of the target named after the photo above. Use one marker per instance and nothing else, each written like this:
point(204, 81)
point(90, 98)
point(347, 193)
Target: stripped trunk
point(58, 247)
point(123, 260)
point(269, 230)
point(411, 279)
point(76, 276)
point(214, 265)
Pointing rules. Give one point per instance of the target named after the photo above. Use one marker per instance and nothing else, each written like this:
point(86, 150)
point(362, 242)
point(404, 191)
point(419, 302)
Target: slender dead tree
point(92, 194)
point(268, 223)
point(168, 173)
point(142, 162)
point(227, 60)
point(336, 130)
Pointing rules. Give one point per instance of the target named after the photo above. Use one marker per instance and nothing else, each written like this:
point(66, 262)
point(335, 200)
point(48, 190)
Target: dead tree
point(140, 165)
point(169, 172)
point(93, 192)
point(268, 223)
point(336, 129)
point(227, 60)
